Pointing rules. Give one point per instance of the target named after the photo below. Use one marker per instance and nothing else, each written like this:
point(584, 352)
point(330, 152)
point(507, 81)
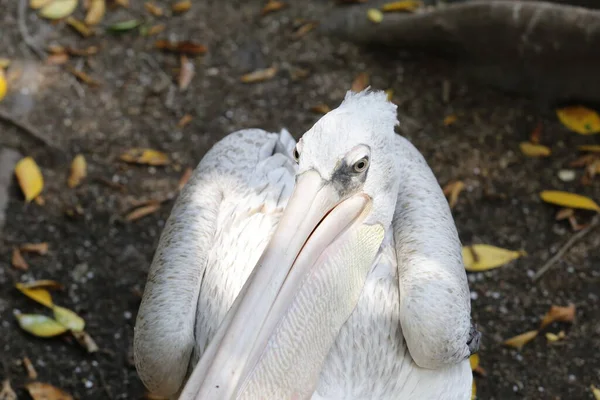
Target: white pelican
point(327, 269)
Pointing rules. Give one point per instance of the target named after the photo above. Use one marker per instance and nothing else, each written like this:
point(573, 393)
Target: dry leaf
point(154, 9)
point(564, 213)
point(593, 148)
point(122, 3)
point(145, 156)
point(42, 283)
point(579, 119)
point(80, 27)
point(155, 29)
point(450, 119)
point(482, 257)
point(389, 94)
point(31, 372)
point(85, 341)
point(304, 29)
point(68, 319)
point(259, 75)
point(58, 9)
point(142, 211)
point(452, 190)
point(271, 6)
point(474, 361)
point(536, 134)
point(40, 295)
point(45, 391)
point(595, 392)
point(18, 261)
point(83, 77)
point(360, 82)
point(57, 59)
point(566, 199)
point(78, 171)
point(186, 73)
point(186, 119)
point(374, 15)
point(187, 174)
point(473, 390)
point(181, 6)
point(3, 84)
point(552, 337)
point(7, 392)
point(35, 4)
point(534, 150)
point(39, 325)
point(521, 340)
point(320, 108)
point(404, 5)
point(557, 313)
point(298, 73)
point(184, 47)
point(4, 63)
point(95, 12)
point(30, 178)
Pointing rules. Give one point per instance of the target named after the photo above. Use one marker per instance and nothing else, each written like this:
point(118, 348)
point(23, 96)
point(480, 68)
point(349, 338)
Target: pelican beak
point(284, 305)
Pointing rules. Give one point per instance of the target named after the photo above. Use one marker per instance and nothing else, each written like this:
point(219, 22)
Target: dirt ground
point(102, 260)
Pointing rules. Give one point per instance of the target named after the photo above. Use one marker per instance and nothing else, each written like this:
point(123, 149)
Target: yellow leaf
point(473, 391)
point(595, 392)
point(42, 283)
point(452, 190)
point(3, 84)
point(40, 325)
point(30, 178)
point(35, 4)
point(374, 15)
point(450, 119)
point(552, 337)
point(45, 391)
point(181, 6)
point(145, 156)
point(153, 9)
point(68, 319)
point(534, 150)
point(579, 119)
point(557, 313)
point(592, 148)
point(58, 9)
point(320, 108)
point(389, 94)
point(42, 296)
point(482, 257)
point(404, 5)
point(474, 360)
point(95, 12)
point(79, 26)
point(259, 75)
point(571, 200)
point(521, 340)
point(78, 171)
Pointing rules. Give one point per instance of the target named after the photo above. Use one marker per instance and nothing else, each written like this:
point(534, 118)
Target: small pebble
point(566, 175)
point(127, 314)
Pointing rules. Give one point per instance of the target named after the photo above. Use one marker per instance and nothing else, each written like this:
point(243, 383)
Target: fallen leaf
point(187, 174)
point(181, 6)
point(31, 372)
point(57, 59)
point(595, 392)
point(564, 213)
point(566, 199)
point(45, 391)
point(7, 392)
point(58, 9)
point(579, 119)
point(153, 9)
point(78, 171)
point(536, 134)
point(389, 94)
point(259, 75)
point(86, 341)
point(3, 84)
point(40, 295)
point(272, 6)
point(186, 119)
point(42, 283)
point(80, 27)
point(450, 119)
point(557, 313)
point(184, 47)
point(474, 361)
point(320, 108)
point(30, 178)
point(39, 325)
point(145, 156)
point(4, 63)
point(155, 29)
point(552, 337)
point(534, 150)
point(304, 29)
point(483, 257)
point(18, 261)
point(593, 148)
point(124, 26)
point(361, 82)
point(404, 5)
point(374, 15)
point(83, 77)
point(452, 190)
point(186, 73)
point(521, 340)
point(473, 390)
point(142, 212)
point(584, 161)
point(68, 319)
point(95, 12)
point(39, 200)
point(35, 4)
point(122, 3)
point(298, 73)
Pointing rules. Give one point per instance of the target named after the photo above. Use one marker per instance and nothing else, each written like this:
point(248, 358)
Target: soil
point(102, 259)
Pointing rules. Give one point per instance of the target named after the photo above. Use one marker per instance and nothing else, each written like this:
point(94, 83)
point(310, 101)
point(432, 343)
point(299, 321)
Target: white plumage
point(383, 311)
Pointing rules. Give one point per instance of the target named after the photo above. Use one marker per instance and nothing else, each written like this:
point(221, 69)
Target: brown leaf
point(31, 372)
point(564, 213)
point(122, 3)
point(304, 29)
point(450, 119)
point(143, 211)
point(86, 341)
point(80, 27)
point(145, 156)
point(184, 47)
point(82, 76)
point(181, 6)
point(156, 29)
point(78, 171)
point(259, 75)
point(45, 391)
point(57, 59)
point(360, 82)
point(18, 261)
point(452, 190)
point(272, 6)
point(39, 248)
point(7, 392)
point(534, 150)
point(186, 119)
point(95, 12)
point(186, 73)
point(557, 313)
point(298, 73)
point(88, 51)
point(536, 134)
point(320, 108)
point(154, 9)
point(187, 174)
point(521, 340)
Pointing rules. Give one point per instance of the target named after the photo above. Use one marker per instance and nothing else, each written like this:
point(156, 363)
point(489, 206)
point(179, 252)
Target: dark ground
point(102, 260)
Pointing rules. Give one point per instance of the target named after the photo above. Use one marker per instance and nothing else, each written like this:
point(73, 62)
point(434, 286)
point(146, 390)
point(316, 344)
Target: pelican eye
point(296, 154)
point(361, 165)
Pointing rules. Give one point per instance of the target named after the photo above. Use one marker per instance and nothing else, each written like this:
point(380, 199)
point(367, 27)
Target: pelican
point(325, 269)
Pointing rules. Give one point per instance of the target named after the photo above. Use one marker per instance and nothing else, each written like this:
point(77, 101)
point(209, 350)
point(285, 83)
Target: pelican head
point(310, 275)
